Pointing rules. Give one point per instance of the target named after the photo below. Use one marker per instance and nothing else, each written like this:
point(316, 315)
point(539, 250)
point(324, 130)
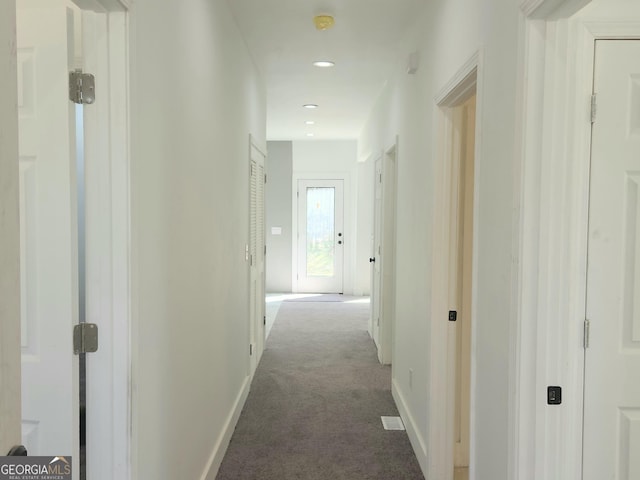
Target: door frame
point(349, 242)
point(461, 270)
point(466, 81)
point(113, 413)
point(551, 188)
point(108, 303)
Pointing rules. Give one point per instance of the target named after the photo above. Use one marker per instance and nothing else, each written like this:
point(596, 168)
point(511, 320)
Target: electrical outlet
point(411, 378)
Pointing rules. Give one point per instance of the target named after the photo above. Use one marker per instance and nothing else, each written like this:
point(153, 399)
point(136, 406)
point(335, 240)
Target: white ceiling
point(364, 44)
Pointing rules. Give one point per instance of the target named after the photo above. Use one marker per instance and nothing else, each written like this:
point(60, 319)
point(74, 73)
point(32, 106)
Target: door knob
point(372, 260)
point(17, 451)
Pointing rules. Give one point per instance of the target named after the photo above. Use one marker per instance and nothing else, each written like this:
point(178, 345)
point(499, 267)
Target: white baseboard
point(220, 448)
point(416, 439)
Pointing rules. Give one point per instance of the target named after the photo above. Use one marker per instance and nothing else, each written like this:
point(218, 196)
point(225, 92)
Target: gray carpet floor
point(315, 404)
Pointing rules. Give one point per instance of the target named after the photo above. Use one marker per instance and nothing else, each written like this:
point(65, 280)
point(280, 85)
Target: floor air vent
point(392, 423)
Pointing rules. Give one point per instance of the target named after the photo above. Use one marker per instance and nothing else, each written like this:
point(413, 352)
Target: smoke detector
point(324, 22)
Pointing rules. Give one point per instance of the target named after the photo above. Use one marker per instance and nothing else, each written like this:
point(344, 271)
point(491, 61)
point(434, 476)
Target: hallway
point(316, 400)
point(167, 236)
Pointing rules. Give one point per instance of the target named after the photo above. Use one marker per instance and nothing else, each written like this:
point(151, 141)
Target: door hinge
point(265, 250)
point(264, 320)
point(587, 333)
point(85, 338)
point(82, 87)
point(250, 349)
point(594, 107)
point(380, 178)
point(265, 178)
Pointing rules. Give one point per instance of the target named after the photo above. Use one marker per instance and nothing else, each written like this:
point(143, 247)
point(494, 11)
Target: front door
point(48, 230)
point(321, 237)
point(612, 359)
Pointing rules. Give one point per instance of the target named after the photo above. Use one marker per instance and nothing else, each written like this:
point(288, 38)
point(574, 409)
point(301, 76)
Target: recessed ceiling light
point(310, 134)
point(310, 106)
point(324, 63)
point(310, 122)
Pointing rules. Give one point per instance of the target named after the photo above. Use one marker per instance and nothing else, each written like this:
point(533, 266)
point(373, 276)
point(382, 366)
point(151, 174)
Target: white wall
point(278, 203)
point(196, 96)
point(10, 434)
point(446, 36)
point(338, 159)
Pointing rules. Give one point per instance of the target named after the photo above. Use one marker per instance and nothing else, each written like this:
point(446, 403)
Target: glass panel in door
point(321, 231)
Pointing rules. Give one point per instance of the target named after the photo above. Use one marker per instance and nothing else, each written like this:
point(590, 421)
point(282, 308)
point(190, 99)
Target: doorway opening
point(461, 276)
point(453, 279)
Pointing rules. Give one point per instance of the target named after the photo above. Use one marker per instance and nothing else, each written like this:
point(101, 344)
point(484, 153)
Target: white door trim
point(523, 341)
point(109, 379)
point(442, 345)
point(109, 383)
point(549, 269)
point(108, 240)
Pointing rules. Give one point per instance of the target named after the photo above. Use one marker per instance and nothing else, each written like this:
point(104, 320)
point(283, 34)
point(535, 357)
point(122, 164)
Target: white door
point(376, 258)
point(321, 237)
point(257, 258)
point(48, 230)
point(383, 274)
point(612, 359)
